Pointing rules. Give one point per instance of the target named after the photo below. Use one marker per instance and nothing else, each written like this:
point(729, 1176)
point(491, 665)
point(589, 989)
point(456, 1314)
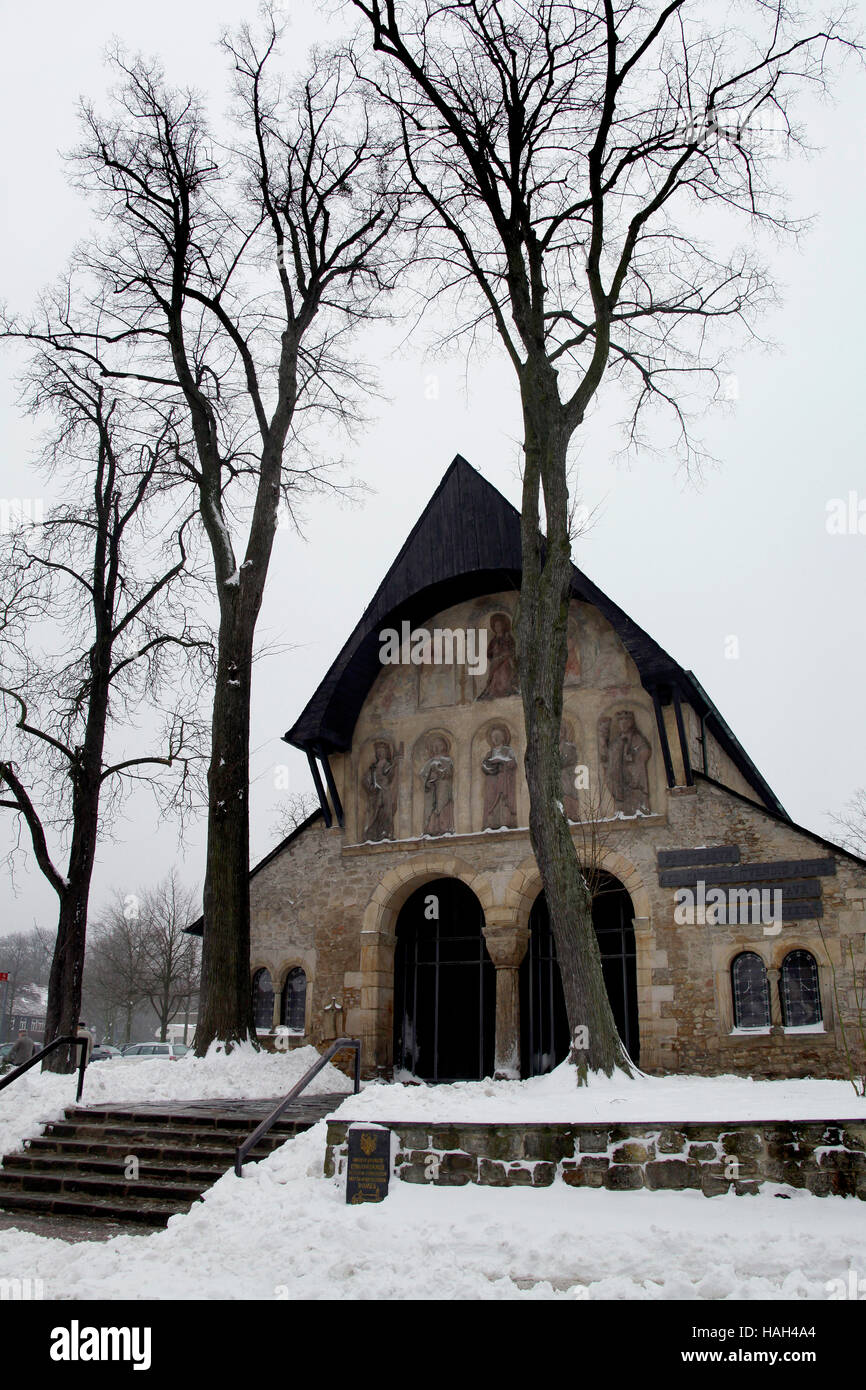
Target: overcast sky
point(746, 555)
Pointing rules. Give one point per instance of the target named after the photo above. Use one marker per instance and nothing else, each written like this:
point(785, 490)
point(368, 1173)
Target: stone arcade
point(408, 909)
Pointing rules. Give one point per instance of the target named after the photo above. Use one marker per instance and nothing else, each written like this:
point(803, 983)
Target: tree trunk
point(542, 630)
point(227, 1012)
point(64, 984)
point(63, 1010)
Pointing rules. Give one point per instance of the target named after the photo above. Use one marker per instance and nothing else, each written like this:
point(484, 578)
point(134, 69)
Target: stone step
point(144, 1211)
point(76, 1166)
point(69, 1180)
point(41, 1161)
point(132, 1134)
point(192, 1119)
point(76, 1150)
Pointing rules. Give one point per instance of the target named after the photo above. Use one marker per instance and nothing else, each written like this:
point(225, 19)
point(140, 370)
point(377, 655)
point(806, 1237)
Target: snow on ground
point(284, 1232)
point(39, 1097)
point(555, 1098)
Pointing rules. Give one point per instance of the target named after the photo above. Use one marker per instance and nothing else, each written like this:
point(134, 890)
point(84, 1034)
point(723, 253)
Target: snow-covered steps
point(141, 1163)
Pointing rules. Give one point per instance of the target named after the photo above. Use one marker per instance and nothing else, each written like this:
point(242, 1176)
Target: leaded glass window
point(294, 999)
point(751, 992)
point(263, 1000)
point(798, 987)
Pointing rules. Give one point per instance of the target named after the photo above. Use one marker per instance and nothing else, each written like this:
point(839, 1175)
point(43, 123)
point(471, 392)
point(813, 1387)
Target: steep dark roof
point(467, 543)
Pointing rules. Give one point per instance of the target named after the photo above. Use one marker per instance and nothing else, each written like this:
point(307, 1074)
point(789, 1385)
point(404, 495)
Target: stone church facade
point(408, 909)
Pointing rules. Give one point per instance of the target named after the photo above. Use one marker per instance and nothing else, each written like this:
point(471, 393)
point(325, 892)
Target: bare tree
point(851, 822)
point(292, 813)
point(227, 286)
point(171, 957)
point(91, 614)
point(116, 965)
point(564, 159)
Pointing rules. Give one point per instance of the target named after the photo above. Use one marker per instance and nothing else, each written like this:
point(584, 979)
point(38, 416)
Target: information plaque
point(369, 1165)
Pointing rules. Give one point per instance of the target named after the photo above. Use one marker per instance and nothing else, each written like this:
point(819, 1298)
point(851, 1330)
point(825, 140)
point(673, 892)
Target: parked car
point(148, 1052)
point(104, 1052)
point(5, 1049)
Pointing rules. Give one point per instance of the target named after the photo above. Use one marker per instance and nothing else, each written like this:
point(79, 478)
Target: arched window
point(799, 991)
point(263, 1000)
point(750, 991)
point(293, 1001)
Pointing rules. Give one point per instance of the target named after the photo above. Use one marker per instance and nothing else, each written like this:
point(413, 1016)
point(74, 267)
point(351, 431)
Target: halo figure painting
point(501, 660)
point(380, 784)
point(500, 785)
point(437, 778)
point(624, 755)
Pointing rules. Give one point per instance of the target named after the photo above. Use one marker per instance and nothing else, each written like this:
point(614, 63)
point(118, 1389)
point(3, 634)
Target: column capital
point(506, 946)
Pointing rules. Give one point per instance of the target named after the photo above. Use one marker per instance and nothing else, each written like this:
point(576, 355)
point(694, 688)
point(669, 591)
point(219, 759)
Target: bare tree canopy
point(564, 159)
point(851, 822)
point(226, 285)
point(95, 631)
point(140, 954)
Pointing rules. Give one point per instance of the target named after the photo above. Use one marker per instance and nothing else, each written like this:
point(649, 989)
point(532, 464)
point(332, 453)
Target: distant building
point(408, 909)
point(28, 1012)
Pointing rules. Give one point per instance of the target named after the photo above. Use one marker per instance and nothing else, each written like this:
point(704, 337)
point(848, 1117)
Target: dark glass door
point(543, 1023)
point(444, 986)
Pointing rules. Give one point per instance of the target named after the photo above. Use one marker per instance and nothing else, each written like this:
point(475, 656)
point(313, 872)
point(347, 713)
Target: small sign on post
point(368, 1169)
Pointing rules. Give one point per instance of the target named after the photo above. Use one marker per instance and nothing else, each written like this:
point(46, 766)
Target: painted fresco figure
point(380, 784)
point(501, 660)
point(624, 755)
point(437, 777)
point(568, 759)
point(500, 781)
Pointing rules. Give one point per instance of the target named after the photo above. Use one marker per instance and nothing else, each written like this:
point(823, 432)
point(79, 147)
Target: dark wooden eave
point(466, 543)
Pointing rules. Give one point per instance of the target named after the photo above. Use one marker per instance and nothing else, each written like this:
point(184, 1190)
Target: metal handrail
point(339, 1046)
point(65, 1041)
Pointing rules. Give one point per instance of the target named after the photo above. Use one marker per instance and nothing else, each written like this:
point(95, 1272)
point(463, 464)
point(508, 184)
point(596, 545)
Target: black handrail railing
point(68, 1040)
point(339, 1046)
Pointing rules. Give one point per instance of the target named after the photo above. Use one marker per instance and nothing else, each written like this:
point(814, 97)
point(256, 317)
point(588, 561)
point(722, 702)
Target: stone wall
point(332, 908)
point(824, 1157)
point(330, 903)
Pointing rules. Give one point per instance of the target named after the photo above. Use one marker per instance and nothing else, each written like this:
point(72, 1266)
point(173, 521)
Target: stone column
point(773, 977)
point(374, 1020)
point(507, 947)
point(652, 1028)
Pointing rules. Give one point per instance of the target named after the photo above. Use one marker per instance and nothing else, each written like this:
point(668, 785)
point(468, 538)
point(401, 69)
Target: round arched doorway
point(444, 986)
point(544, 1036)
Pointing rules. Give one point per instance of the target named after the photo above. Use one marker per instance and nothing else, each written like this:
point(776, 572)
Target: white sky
point(747, 555)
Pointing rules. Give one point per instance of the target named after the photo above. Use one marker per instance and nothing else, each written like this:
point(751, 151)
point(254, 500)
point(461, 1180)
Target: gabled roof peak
point(466, 543)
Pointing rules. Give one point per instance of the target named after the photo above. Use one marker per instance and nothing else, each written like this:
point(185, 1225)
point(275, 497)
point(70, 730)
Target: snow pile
point(556, 1098)
point(283, 1232)
point(243, 1074)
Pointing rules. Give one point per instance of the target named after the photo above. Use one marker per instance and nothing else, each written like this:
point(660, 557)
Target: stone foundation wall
point(826, 1157)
